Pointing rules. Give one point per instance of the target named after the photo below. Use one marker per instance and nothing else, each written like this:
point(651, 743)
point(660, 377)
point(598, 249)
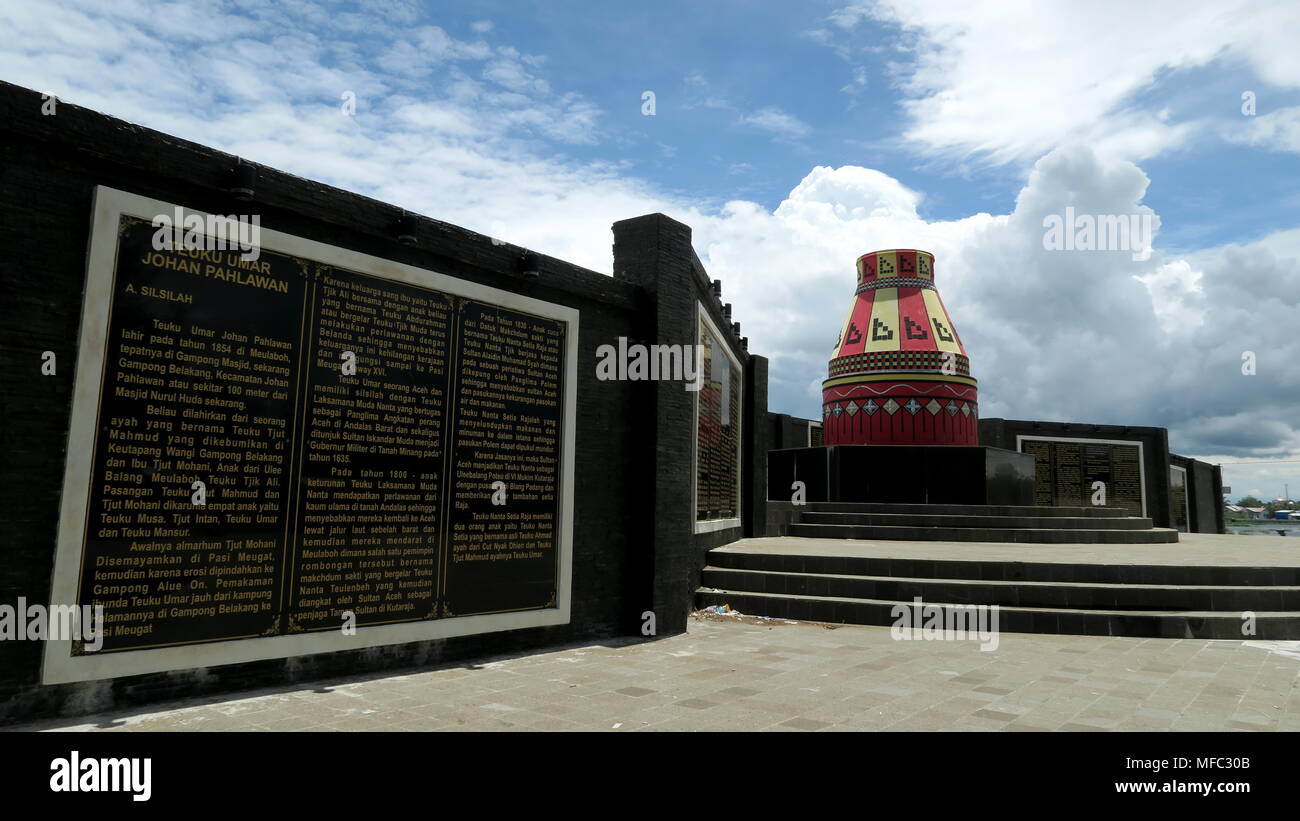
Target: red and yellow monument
point(899, 374)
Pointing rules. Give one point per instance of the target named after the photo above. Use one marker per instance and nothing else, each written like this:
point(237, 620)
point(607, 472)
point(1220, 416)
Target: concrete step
point(983, 534)
point(1072, 595)
point(962, 510)
point(969, 520)
point(1276, 626)
point(1080, 572)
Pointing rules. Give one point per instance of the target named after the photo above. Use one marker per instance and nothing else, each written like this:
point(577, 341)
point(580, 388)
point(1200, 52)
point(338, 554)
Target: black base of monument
point(903, 474)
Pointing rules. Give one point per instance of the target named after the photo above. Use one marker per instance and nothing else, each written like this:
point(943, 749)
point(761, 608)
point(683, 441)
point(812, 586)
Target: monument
point(900, 416)
point(899, 384)
point(899, 374)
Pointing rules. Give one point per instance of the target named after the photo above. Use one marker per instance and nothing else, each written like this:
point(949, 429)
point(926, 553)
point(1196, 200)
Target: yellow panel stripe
point(884, 322)
point(886, 264)
point(935, 309)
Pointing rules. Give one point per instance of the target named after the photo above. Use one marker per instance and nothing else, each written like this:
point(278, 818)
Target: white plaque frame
point(711, 525)
point(60, 666)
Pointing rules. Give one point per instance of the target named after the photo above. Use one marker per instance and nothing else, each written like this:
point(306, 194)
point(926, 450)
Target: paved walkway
point(748, 674)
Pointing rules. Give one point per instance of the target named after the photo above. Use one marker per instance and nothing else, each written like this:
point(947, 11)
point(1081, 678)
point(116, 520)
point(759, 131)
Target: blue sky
point(792, 137)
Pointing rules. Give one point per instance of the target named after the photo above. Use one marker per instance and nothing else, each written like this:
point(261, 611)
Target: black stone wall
point(654, 253)
point(1002, 433)
point(790, 431)
point(903, 474)
point(634, 548)
point(1204, 494)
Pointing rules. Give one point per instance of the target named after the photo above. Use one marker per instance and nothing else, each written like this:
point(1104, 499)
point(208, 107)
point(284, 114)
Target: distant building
point(1239, 512)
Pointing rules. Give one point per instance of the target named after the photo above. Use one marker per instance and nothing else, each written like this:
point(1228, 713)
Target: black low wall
point(635, 542)
point(1204, 494)
point(794, 432)
point(1204, 481)
point(1004, 433)
point(903, 474)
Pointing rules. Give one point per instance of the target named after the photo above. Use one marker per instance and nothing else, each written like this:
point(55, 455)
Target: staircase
point(1162, 601)
point(791, 579)
point(975, 523)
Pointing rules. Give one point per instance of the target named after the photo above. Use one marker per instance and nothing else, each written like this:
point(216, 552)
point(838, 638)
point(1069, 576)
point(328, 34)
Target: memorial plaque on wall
point(296, 448)
point(1065, 471)
point(717, 424)
point(1178, 501)
point(816, 436)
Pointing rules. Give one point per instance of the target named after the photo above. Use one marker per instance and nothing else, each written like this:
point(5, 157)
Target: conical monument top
point(899, 373)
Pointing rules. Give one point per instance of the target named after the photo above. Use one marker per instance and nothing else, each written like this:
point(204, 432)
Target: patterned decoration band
point(894, 282)
point(910, 361)
point(900, 420)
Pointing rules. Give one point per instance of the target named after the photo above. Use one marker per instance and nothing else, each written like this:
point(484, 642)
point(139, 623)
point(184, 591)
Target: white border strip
point(61, 666)
point(1142, 469)
point(711, 525)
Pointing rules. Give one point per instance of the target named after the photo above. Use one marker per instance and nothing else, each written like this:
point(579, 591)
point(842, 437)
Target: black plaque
point(1065, 473)
point(1178, 498)
point(348, 431)
point(507, 431)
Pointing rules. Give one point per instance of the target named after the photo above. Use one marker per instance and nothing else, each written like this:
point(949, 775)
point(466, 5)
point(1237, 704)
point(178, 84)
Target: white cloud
point(1174, 289)
point(1277, 130)
point(858, 84)
point(777, 122)
point(699, 92)
point(417, 53)
point(1010, 81)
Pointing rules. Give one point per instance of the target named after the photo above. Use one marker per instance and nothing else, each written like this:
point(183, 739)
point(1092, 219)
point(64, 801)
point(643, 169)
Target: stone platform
point(1198, 588)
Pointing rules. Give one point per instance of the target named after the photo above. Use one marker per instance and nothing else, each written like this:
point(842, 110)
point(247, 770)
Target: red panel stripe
point(914, 331)
point(859, 322)
point(906, 263)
